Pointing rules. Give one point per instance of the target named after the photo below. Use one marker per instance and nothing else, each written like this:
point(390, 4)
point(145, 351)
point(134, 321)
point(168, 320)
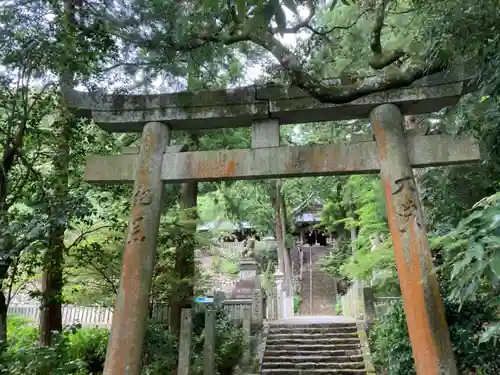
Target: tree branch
point(299, 75)
point(339, 94)
point(300, 25)
point(346, 27)
point(380, 58)
point(83, 234)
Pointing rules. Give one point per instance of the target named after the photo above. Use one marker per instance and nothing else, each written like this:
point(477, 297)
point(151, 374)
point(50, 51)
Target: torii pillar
point(427, 327)
point(131, 309)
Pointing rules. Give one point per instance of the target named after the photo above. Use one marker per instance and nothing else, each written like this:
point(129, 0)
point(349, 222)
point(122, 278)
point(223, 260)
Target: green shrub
point(21, 332)
point(391, 347)
point(390, 343)
point(338, 308)
point(230, 343)
point(297, 301)
point(82, 351)
point(160, 348)
point(35, 360)
point(89, 346)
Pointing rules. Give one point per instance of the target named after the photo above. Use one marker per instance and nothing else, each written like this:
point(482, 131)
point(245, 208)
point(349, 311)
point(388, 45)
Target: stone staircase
point(323, 285)
point(313, 348)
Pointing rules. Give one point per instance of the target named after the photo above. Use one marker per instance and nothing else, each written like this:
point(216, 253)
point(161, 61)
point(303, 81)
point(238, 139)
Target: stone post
point(271, 304)
point(247, 329)
point(375, 243)
point(219, 297)
point(279, 276)
point(368, 307)
point(185, 342)
point(124, 354)
point(209, 344)
point(423, 306)
point(257, 305)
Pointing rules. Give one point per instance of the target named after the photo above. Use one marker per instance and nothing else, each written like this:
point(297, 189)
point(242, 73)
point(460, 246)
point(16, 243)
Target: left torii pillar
point(124, 354)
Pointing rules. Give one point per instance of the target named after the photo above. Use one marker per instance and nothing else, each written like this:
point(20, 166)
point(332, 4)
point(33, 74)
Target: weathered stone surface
point(168, 149)
point(265, 133)
point(427, 327)
point(209, 343)
point(188, 118)
point(185, 342)
point(279, 162)
point(313, 349)
point(124, 355)
point(240, 107)
point(247, 329)
point(243, 290)
point(248, 269)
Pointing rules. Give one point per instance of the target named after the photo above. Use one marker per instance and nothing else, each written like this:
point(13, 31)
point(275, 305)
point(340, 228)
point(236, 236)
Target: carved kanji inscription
point(406, 206)
point(137, 231)
point(143, 196)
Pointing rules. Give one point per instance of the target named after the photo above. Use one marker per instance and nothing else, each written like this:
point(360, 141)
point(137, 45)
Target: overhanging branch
point(235, 30)
point(339, 94)
point(381, 58)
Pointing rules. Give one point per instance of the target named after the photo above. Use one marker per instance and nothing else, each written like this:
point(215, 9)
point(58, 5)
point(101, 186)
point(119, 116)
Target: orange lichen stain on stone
point(131, 254)
point(316, 160)
point(216, 168)
point(130, 281)
point(229, 168)
point(380, 138)
point(423, 344)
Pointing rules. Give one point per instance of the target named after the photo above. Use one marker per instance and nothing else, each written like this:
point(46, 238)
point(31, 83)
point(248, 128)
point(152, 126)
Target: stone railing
point(352, 302)
point(359, 302)
point(277, 302)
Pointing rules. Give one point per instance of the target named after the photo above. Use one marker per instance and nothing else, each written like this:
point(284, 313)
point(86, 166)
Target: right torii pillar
point(427, 327)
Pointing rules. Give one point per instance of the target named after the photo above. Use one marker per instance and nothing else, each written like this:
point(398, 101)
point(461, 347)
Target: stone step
point(280, 371)
point(311, 347)
point(338, 353)
point(313, 329)
point(316, 341)
point(315, 365)
point(301, 358)
point(314, 336)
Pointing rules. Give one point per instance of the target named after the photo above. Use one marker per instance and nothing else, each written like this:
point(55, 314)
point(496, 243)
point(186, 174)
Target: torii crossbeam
point(393, 154)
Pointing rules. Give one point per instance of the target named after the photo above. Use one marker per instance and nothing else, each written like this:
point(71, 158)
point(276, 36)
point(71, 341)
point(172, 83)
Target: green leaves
point(391, 349)
point(471, 253)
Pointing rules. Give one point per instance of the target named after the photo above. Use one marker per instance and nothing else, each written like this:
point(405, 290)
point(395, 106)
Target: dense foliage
point(55, 227)
point(81, 351)
point(391, 347)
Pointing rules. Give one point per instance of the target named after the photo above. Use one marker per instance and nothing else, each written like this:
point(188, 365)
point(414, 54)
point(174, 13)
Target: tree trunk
point(286, 247)
point(3, 319)
point(353, 232)
point(183, 290)
point(278, 227)
point(11, 146)
point(52, 279)
point(183, 294)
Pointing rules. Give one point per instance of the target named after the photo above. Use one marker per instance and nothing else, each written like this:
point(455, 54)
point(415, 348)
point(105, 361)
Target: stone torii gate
point(393, 154)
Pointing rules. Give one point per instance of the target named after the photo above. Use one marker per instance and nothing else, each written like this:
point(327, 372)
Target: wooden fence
point(238, 246)
point(95, 316)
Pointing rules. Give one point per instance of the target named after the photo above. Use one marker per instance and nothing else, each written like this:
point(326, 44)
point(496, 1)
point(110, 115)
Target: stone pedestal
point(249, 270)
point(249, 280)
